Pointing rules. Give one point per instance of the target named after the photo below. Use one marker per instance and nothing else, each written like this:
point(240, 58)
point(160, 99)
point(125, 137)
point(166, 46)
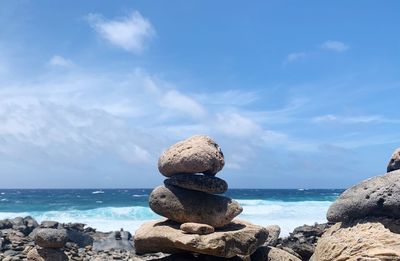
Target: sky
point(298, 94)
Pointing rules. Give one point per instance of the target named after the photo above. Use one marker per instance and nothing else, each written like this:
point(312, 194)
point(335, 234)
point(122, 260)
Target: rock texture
point(51, 237)
point(303, 239)
point(46, 254)
point(204, 183)
point(273, 235)
point(394, 162)
point(366, 239)
point(267, 253)
point(182, 205)
point(116, 240)
point(238, 238)
point(197, 228)
point(198, 154)
point(377, 196)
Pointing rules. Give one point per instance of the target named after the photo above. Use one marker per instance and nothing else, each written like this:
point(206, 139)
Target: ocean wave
point(98, 192)
point(103, 219)
point(288, 215)
point(140, 195)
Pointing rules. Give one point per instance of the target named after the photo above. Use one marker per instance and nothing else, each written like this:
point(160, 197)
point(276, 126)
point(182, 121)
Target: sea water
point(112, 209)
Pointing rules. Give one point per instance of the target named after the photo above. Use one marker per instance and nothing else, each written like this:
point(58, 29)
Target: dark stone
point(51, 238)
point(204, 183)
point(303, 239)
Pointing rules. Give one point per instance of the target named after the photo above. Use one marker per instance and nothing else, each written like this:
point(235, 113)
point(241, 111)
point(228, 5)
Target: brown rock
point(196, 228)
point(198, 154)
point(46, 254)
point(237, 238)
point(182, 205)
point(204, 183)
point(394, 162)
point(366, 239)
point(268, 253)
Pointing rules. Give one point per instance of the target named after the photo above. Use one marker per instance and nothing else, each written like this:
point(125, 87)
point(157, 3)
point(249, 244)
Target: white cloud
point(60, 61)
point(182, 103)
point(236, 125)
point(349, 119)
point(129, 33)
point(335, 46)
point(295, 57)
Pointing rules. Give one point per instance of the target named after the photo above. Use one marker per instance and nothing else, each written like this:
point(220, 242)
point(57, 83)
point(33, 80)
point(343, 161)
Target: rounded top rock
point(51, 237)
point(394, 162)
point(197, 154)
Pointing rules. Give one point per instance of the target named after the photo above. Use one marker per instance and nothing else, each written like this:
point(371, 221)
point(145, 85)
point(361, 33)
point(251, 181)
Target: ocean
point(112, 209)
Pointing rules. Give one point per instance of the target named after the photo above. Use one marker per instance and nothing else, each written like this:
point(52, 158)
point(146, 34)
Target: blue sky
point(298, 94)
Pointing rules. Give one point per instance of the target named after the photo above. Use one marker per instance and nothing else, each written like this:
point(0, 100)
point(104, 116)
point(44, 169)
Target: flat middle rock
point(377, 196)
point(183, 205)
point(237, 238)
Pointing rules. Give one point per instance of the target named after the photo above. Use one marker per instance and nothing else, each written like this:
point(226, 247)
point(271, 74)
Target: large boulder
point(197, 154)
point(394, 162)
point(377, 196)
point(204, 183)
point(51, 237)
point(182, 205)
point(366, 239)
point(237, 238)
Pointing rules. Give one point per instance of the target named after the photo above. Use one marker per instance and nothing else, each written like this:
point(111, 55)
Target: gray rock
point(5, 223)
point(273, 235)
point(394, 162)
point(116, 240)
point(81, 238)
point(182, 205)
point(204, 183)
point(196, 228)
point(377, 196)
point(198, 154)
point(51, 238)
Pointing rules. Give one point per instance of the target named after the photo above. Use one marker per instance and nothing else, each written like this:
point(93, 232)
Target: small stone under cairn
point(198, 220)
point(49, 243)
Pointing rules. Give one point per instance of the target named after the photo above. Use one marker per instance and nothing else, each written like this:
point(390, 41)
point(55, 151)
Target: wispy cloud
point(130, 33)
point(295, 57)
point(352, 119)
point(58, 60)
point(335, 46)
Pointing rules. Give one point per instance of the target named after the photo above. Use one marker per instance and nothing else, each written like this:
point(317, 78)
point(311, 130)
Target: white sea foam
point(98, 192)
point(287, 215)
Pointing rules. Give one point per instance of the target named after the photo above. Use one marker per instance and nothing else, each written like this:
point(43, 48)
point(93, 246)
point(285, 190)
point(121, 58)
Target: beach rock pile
point(49, 243)
point(198, 219)
point(368, 220)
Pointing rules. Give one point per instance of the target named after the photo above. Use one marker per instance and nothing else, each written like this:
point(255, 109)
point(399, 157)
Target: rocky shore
point(17, 240)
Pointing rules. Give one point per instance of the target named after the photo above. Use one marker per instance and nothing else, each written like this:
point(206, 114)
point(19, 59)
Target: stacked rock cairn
point(49, 243)
point(367, 217)
point(198, 220)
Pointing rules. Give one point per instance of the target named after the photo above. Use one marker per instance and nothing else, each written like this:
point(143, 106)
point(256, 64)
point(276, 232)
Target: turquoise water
point(112, 209)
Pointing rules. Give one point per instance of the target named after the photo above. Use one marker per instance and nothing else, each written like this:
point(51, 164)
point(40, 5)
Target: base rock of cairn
point(198, 220)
